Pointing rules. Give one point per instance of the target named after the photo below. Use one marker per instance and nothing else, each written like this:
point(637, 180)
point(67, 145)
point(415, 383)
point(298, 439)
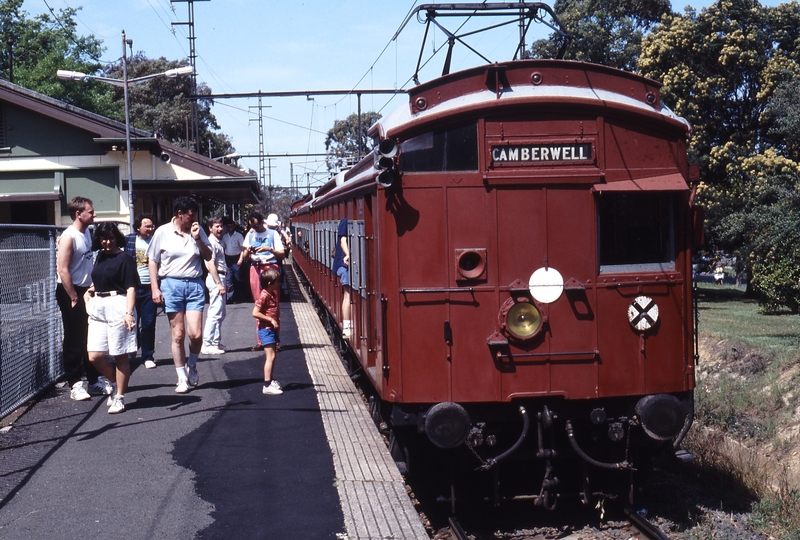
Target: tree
point(783, 116)
point(730, 71)
point(41, 46)
point(765, 225)
point(344, 143)
point(163, 106)
point(607, 32)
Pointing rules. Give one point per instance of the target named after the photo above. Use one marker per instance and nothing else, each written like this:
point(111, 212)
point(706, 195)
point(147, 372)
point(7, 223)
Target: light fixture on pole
point(125, 83)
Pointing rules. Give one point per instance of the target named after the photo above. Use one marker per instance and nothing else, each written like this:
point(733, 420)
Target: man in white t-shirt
point(74, 275)
point(175, 258)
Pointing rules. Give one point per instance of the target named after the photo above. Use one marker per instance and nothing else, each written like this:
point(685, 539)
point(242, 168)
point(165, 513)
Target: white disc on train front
point(546, 285)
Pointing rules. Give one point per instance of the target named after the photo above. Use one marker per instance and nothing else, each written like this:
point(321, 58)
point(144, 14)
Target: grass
point(747, 382)
point(726, 314)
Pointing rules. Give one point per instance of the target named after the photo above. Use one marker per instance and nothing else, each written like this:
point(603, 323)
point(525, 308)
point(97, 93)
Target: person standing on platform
point(111, 306)
point(341, 267)
point(263, 247)
point(175, 257)
point(215, 283)
point(232, 242)
point(146, 309)
point(268, 322)
point(74, 268)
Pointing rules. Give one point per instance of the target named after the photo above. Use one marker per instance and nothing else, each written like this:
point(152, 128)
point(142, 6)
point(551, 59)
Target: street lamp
point(125, 83)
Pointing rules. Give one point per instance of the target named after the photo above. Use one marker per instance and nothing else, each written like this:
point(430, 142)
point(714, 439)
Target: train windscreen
point(636, 231)
point(452, 149)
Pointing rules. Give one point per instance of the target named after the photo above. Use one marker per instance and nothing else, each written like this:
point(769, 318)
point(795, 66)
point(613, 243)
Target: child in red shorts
point(268, 319)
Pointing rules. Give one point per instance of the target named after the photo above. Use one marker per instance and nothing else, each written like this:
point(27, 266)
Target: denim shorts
point(267, 336)
point(183, 294)
point(344, 275)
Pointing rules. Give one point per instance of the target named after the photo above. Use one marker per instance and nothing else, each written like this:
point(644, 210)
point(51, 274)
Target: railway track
point(645, 527)
point(637, 527)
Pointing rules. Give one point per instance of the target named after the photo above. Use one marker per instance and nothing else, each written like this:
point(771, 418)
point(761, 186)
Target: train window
point(636, 231)
point(453, 149)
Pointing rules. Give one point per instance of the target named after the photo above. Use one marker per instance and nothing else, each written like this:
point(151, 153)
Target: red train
point(521, 275)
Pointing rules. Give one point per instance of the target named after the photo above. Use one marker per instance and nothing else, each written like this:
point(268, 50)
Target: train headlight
point(520, 318)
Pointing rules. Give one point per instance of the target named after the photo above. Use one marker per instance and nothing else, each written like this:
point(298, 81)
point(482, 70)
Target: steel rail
point(644, 526)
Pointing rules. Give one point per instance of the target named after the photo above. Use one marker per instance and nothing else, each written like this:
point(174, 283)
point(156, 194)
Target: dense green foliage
point(732, 71)
point(36, 48)
point(163, 105)
point(607, 32)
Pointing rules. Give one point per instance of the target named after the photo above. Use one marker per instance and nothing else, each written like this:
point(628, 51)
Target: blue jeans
point(146, 310)
point(212, 332)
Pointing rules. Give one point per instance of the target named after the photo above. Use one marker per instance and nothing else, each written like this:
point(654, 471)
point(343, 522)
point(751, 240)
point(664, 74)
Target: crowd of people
point(110, 289)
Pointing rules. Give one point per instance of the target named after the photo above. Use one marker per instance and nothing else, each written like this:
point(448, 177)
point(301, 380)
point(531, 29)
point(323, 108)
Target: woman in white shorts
point(110, 304)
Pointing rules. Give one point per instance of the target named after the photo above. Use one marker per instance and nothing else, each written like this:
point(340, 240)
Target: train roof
point(542, 82)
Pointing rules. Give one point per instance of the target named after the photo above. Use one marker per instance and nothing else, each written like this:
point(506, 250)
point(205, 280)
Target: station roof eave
point(220, 190)
point(206, 179)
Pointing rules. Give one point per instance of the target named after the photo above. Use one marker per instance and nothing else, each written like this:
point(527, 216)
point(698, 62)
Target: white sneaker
point(211, 350)
point(149, 364)
point(194, 377)
point(274, 389)
point(117, 406)
point(78, 392)
point(182, 388)
point(102, 387)
point(112, 395)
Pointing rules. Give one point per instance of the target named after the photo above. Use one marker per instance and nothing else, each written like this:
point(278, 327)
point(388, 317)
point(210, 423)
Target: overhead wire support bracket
point(518, 12)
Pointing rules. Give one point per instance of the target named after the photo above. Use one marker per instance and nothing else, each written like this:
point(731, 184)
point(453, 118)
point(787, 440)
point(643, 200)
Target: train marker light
point(384, 162)
point(385, 178)
point(387, 148)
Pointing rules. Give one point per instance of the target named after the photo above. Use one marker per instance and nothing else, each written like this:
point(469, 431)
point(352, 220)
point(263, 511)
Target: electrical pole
point(261, 170)
point(195, 133)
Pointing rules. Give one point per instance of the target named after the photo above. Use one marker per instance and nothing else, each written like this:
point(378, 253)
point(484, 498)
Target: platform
point(223, 461)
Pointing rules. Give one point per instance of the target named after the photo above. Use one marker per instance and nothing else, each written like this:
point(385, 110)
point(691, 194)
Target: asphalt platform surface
point(223, 461)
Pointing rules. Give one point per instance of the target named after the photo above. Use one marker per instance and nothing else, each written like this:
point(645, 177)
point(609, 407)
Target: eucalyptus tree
point(35, 48)
point(607, 32)
point(731, 70)
point(163, 105)
point(345, 143)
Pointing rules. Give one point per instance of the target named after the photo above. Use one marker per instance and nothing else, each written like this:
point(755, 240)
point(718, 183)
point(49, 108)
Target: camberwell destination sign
point(542, 152)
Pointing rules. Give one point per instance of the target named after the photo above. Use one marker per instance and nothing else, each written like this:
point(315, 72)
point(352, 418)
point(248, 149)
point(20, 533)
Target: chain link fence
point(30, 321)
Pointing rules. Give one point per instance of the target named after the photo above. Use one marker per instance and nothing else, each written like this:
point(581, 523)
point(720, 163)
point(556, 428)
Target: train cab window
point(452, 149)
point(636, 231)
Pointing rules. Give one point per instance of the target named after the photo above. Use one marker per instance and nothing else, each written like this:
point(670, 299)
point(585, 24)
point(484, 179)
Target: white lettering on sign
point(542, 152)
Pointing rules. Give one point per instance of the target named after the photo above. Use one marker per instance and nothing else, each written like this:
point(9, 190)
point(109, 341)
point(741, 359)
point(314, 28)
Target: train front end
point(534, 286)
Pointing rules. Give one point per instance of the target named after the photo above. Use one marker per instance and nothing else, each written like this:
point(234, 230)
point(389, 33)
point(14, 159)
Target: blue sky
point(266, 45)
